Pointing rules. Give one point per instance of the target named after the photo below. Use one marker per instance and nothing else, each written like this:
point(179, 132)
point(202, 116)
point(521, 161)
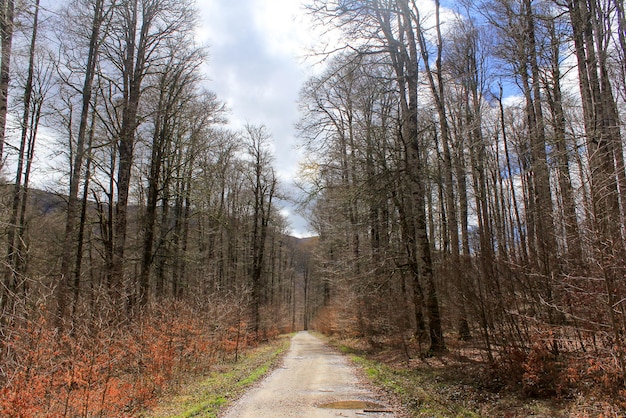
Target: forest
point(464, 179)
point(160, 250)
point(467, 168)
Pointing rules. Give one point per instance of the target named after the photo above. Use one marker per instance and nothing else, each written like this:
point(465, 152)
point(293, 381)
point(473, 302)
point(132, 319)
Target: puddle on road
point(353, 405)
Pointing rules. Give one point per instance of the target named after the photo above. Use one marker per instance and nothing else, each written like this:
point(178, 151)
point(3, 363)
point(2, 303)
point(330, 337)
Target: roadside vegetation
point(116, 370)
point(453, 385)
point(207, 395)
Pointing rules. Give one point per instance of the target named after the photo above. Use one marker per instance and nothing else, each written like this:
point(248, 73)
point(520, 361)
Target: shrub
point(105, 369)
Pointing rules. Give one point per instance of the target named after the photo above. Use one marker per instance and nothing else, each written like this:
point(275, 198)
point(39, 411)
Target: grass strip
point(209, 396)
point(417, 390)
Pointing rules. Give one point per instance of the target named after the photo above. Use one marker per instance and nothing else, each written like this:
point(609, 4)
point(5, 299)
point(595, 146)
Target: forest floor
point(452, 385)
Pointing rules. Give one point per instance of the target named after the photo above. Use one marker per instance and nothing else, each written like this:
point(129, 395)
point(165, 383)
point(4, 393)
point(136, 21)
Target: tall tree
point(175, 95)
point(603, 140)
point(7, 14)
point(404, 57)
point(263, 183)
point(139, 32)
point(389, 28)
point(16, 248)
point(100, 12)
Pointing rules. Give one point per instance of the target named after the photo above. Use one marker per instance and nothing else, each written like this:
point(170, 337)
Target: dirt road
point(314, 381)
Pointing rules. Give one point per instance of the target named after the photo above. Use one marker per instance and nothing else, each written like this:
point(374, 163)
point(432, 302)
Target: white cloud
point(280, 21)
point(256, 50)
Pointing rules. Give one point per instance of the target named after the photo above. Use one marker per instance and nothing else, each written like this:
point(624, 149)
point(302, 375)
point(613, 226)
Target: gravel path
point(312, 375)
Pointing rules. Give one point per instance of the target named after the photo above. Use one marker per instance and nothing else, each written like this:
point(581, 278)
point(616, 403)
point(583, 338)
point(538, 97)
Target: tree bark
point(7, 10)
point(73, 204)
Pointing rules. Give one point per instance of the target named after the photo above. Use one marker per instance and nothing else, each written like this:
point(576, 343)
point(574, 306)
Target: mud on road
point(313, 381)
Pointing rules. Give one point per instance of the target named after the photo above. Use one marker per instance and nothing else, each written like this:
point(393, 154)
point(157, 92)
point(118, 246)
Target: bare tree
point(139, 31)
point(100, 12)
point(603, 140)
point(264, 187)
point(175, 96)
point(7, 13)
point(32, 102)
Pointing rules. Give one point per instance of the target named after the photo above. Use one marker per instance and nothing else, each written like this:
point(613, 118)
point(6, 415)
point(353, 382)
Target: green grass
point(256, 375)
point(418, 390)
point(208, 408)
point(446, 391)
point(209, 396)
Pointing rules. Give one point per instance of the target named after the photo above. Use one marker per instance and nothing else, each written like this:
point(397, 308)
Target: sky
point(259, 58)
point(257, 65)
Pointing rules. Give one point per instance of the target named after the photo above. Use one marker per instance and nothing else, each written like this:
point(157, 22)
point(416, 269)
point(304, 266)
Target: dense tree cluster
point(157, 203)
point(467, 177)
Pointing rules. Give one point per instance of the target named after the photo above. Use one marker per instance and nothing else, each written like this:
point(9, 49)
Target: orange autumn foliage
point(106, 370)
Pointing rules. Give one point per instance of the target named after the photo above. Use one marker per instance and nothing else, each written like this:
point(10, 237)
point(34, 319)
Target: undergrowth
point(450, 385)
point(228, 381)
point(105, 369)
point(412, 389)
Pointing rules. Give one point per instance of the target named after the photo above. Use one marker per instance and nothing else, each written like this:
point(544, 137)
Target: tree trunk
point(69, 240)
point(16, 251)
point(7, 9)
point(555, 101)
point(134, 68)
point(601, 131)
point(541, 178)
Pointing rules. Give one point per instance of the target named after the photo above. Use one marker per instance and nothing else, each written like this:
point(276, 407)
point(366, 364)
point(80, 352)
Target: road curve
point(312, 375)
